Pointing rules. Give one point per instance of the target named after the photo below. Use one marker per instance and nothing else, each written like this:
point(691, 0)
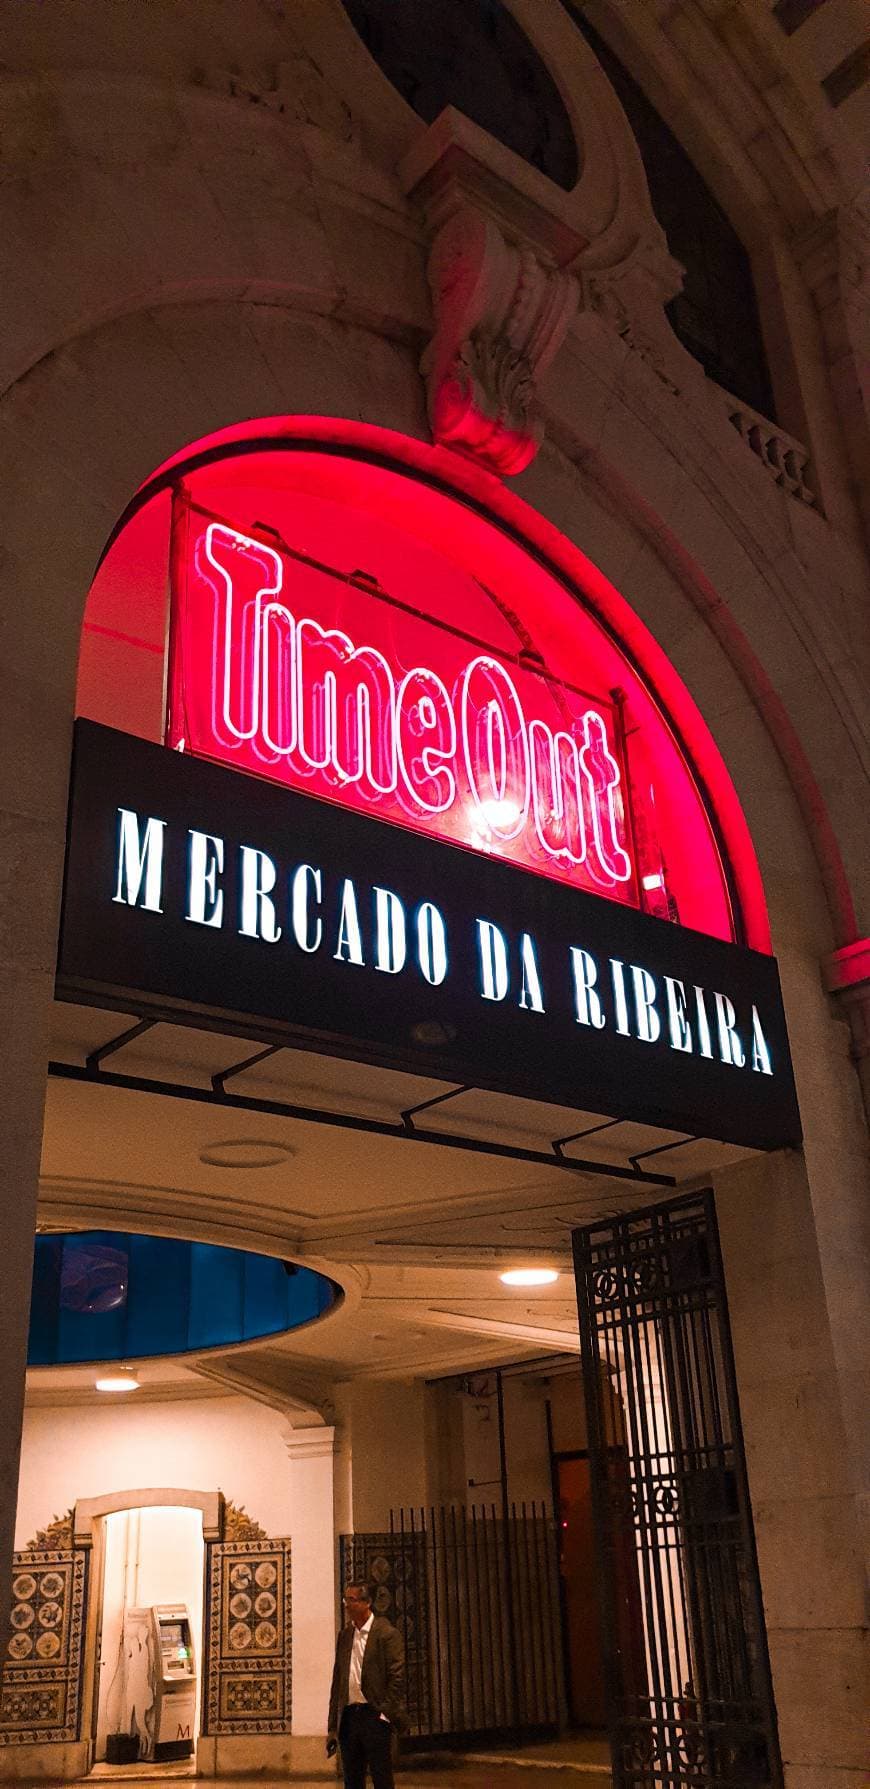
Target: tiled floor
point(478, 1773)
point(470, 1776)
point(575, 1763)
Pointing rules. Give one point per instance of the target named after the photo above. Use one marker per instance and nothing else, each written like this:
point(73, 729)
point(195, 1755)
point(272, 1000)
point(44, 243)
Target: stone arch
point(168, 367)
point(214, 201)
point(93, 421)
point(89, 1510)
point(769, 683)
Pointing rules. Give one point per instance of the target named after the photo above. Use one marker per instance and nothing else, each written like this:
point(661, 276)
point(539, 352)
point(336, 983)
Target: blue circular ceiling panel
point(99, 1295)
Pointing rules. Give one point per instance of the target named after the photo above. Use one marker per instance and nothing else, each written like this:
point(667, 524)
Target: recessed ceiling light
point(529, 1276)
point(245, 1152)
point(122, 1382)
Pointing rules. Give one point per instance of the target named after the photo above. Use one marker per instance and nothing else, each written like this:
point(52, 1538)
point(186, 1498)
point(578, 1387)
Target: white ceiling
point(415, 1233)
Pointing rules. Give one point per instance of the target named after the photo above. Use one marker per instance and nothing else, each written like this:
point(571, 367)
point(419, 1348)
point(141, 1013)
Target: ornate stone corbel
point(501, 237)
point(500, 316)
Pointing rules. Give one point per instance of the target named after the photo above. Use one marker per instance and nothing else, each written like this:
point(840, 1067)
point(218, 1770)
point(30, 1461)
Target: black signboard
point(194, 890)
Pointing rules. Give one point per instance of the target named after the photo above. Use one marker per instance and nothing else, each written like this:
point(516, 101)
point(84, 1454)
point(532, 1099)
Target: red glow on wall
point(350, 628)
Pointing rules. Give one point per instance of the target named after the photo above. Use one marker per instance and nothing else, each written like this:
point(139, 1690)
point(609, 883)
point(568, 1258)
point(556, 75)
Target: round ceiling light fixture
point(245, 1152)
point(529, 1276)
point(120, 1382)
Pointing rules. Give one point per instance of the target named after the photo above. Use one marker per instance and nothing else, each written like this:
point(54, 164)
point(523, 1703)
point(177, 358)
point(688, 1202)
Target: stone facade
point(222, 213)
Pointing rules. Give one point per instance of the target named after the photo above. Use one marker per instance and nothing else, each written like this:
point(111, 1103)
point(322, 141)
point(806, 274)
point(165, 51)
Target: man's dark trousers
point(365, 1739)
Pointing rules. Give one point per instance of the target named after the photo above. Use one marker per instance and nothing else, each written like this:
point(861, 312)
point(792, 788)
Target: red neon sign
point(457, 685)
point(288, 667)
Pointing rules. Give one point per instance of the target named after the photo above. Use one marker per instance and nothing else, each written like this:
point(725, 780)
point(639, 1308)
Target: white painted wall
point(283, 1480)
point(388, 1449)
point(229, 1444)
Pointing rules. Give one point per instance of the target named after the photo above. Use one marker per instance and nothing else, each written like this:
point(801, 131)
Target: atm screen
point(172, 1635)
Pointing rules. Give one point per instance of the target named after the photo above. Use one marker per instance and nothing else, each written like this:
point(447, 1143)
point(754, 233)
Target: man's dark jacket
point(383, 1674)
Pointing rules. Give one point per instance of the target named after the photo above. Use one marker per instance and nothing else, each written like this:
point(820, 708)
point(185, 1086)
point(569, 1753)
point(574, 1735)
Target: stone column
point(804, 1508)
point(310, 1452)
point(34, 764)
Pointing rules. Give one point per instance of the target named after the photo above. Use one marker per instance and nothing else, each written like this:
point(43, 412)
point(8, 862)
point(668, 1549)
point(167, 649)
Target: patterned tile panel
point(395, 1565)
point(249, 1642)
point(40, 1689)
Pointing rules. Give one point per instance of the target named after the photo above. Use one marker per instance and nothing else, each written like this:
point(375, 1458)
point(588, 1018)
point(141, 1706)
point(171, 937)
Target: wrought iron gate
point(689, 1695)
point(475, 1597)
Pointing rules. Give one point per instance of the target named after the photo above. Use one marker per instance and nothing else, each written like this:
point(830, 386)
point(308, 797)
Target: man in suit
point(367, 1700)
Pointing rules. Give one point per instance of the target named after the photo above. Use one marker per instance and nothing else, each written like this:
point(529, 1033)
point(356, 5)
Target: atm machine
point(160, 1681)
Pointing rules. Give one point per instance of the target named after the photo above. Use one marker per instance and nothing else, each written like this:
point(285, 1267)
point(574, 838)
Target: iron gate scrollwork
point(690, 1702)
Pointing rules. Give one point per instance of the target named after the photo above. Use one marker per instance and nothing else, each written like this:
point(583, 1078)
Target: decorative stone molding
point(847, 978)
point(784, 458)
point(630, 298)
point(89, 1510)
point(834, 259)
point(502, 301)
point(310, 1444)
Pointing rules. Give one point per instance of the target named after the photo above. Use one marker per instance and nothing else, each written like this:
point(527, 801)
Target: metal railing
point(475, 1596)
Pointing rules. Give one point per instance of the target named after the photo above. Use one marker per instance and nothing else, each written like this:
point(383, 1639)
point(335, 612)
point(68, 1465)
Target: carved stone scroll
point(500, 316)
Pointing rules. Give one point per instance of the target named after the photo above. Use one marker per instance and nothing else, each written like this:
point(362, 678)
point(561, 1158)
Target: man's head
point(358, 1600)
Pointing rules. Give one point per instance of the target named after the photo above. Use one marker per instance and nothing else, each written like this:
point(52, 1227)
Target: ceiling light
point(123, 1382)
point(245, 1152)
point(529, 1276)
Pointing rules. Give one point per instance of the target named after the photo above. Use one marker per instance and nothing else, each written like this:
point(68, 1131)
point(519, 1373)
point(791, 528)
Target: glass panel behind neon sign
point(290, 667)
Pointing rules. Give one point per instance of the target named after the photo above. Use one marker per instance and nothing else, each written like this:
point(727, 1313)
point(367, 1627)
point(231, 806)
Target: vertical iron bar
point(435, 1659)
point(562, 1660)
point(688, 1460)
point(498, 1535)
point(660, 1445)
point(448, 1628)
point(546, 1534)
point(401, 1580)
point(421, 1604)
point(531, 1672)
point(479, 1647)
point(512, 1611)
point(489, 1543)
point(460, 1674)
point(584, 1274)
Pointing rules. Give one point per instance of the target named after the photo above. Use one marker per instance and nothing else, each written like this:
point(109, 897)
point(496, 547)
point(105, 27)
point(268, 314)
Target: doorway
point(150, 1556)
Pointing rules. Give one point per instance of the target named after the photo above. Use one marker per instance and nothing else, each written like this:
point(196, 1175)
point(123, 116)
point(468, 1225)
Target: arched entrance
point(348, 637)
point(149, 1643)
point(425, 827)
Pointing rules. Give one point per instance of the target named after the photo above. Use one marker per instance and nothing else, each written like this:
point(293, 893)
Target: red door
point(579, 1593)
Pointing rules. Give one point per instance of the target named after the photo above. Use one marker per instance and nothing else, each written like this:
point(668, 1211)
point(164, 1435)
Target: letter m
point(140, 861)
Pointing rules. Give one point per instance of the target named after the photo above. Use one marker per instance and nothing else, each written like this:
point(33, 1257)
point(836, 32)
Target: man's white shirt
point(360, 1641)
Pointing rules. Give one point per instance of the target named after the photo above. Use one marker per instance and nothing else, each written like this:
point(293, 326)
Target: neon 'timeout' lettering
point(292, 690)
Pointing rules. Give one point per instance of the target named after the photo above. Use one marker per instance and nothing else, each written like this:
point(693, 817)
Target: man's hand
point(331, 1747)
